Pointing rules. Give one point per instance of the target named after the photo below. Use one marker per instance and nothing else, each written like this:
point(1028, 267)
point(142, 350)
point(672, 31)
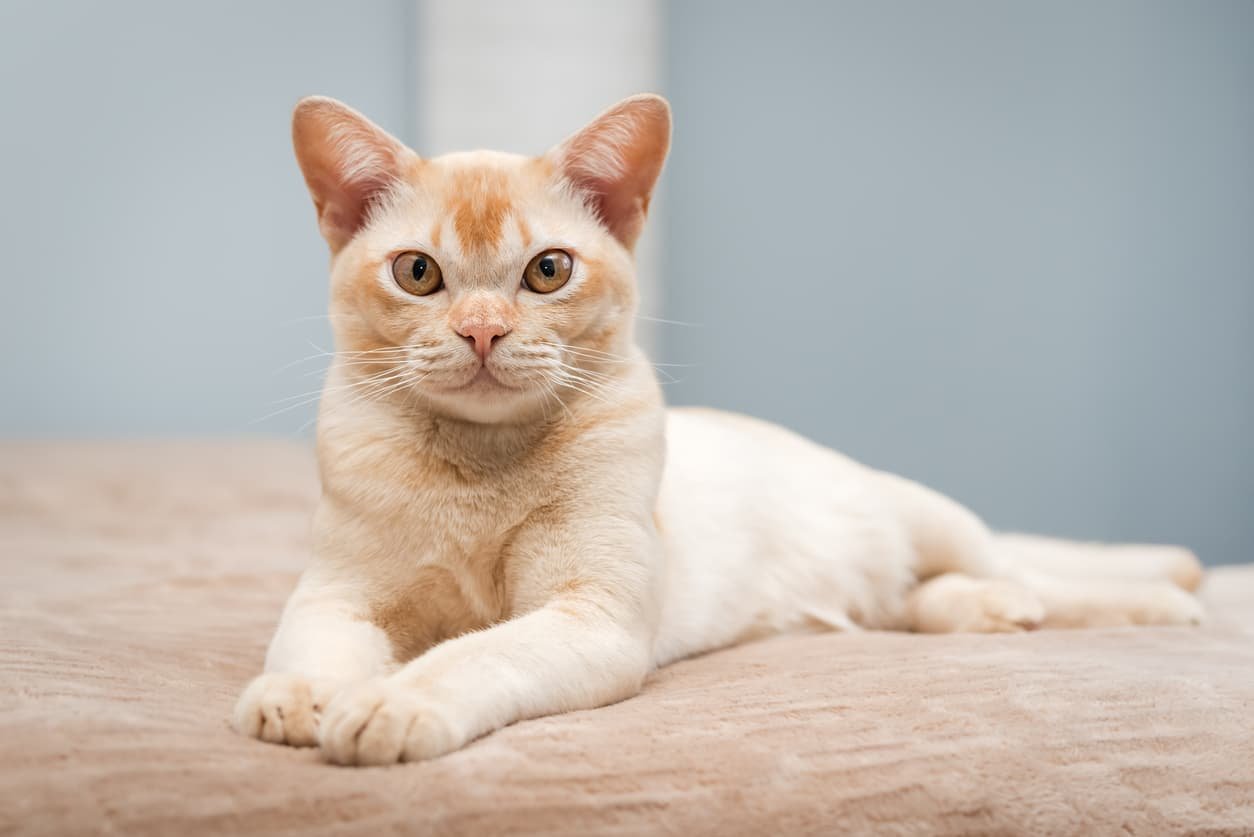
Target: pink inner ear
point(617, 202)
point(344, 205)
point(348, 162)
point(357, 176)
point(615, 162)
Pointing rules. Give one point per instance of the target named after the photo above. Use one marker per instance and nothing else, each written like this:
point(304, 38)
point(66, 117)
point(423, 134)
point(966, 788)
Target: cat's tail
point(1099, 561)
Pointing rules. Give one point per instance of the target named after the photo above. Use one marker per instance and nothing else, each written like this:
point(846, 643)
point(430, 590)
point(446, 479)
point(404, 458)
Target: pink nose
point(481, 336)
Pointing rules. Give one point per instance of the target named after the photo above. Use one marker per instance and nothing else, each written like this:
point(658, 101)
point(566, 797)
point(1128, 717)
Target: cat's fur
point(489, 549)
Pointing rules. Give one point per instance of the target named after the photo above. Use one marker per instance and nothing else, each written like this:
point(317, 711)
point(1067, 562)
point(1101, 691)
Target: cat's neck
point(411, 426)
point(476, 448)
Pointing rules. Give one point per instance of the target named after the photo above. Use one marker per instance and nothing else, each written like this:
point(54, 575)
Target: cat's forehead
point(480, 201)
point(462, 161)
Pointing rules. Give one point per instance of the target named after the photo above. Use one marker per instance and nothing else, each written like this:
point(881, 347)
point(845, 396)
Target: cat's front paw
point(384, 721)
point(283, 708)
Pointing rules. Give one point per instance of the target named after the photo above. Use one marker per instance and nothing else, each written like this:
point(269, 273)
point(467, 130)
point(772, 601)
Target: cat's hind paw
point(960, 604)
point(1166, 604)
point(1005, 607)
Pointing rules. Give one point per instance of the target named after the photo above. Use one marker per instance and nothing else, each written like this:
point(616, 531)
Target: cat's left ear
point(615, 161)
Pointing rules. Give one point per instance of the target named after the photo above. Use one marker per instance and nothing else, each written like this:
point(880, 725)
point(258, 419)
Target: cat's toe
point(955, 604)
point(1169, 605)
point(282, 708)
point(383, 722)
point(1009, 608)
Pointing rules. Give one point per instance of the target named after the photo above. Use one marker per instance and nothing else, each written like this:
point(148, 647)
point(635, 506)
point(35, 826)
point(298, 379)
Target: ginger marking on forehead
point(479, 202)
point(524, 230)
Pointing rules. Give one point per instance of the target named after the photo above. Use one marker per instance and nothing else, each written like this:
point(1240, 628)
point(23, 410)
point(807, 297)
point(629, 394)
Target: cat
point(513, 525)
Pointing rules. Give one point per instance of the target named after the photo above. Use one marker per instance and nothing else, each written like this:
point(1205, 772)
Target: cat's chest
point(431, 541)
point(443, 562)
point(433, 600)
point(470, 522)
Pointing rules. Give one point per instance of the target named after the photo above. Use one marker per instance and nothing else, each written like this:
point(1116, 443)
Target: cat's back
point(722, 465)
point(704, 444)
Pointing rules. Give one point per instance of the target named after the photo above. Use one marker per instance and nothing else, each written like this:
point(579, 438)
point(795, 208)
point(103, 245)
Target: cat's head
point(481, 283)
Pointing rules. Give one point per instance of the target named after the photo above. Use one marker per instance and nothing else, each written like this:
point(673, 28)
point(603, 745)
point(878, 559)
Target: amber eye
point(548, 271)
point(417, 273)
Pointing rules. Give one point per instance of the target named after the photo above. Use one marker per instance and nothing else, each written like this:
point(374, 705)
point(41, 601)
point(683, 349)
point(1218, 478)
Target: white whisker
point(668, 322)
point(338, 388)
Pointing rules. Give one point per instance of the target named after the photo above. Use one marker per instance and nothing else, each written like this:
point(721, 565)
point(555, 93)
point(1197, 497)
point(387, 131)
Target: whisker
point(375, 393)
point(320, 353)
point(347, 385)
point(585, 388)
point(589, 374)
point(385, 351)
point(282, 410)
point(348, 364)
point(338, 388)
point(551, 390)
point(668, 322)
point(609, 357)
point(592, 373)
point(608, 377)
point(583, 350)
point(295, 320)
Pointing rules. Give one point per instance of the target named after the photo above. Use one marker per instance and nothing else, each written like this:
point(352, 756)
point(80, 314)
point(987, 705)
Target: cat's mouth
point(483, 381)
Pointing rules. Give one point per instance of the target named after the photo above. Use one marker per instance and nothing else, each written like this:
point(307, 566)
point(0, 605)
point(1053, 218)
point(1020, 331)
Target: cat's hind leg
point(964, 584)
point(946, 536)
point(954, 603)
point(967, 574)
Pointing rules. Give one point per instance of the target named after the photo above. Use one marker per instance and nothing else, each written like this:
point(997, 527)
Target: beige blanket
point(141, 581)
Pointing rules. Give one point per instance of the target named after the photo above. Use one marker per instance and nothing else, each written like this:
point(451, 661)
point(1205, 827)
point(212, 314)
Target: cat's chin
point(483, 383)
point(486, 400)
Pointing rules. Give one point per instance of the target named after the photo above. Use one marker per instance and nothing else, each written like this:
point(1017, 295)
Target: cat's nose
point(481, 336)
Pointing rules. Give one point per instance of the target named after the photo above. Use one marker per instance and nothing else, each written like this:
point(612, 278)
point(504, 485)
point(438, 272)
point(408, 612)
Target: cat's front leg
point(320, 647)
point(583, 639)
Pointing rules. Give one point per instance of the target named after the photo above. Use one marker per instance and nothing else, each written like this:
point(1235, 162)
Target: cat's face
point(484, 284)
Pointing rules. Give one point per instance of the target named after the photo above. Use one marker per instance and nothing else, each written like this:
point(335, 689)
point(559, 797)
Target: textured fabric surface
point(141, 581)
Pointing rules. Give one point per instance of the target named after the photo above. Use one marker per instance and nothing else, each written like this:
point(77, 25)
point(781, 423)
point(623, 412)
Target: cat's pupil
point(548, 267)
point(420, 267)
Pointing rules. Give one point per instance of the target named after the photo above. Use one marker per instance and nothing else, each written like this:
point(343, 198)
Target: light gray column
point(522, 75)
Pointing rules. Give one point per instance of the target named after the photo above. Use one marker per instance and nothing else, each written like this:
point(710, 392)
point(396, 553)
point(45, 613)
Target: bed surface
point(141, 582)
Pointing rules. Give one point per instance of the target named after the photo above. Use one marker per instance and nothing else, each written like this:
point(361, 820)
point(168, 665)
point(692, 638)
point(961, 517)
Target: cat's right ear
point(348, 163)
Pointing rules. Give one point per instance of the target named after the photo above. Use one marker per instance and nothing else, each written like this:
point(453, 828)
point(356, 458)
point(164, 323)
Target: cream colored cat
point(512, 525)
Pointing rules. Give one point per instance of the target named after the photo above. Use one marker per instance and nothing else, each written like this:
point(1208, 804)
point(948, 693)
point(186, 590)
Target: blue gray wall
point(1004, 248)
point(159, 248)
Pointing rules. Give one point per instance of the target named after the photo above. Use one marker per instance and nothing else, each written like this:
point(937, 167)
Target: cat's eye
point(417, 273)
point(548, 271)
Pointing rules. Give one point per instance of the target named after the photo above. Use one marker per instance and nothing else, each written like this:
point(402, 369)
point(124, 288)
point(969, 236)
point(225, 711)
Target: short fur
point(533, 532)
